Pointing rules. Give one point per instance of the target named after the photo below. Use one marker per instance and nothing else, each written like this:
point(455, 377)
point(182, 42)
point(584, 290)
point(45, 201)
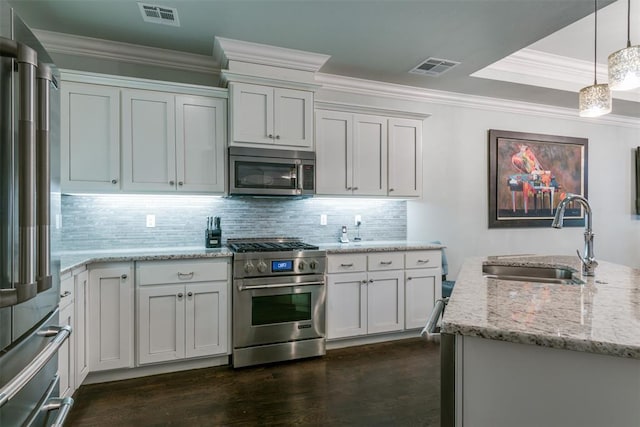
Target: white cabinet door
point(80, 331)
point(161, 321)
point(405, 157)
point(334, 154)
point(148, 141)
point(346, 305)
point(66, 365)
point(111, 317)
point(206, 319)
point(200, 143)
point(369, 155)
point(420, 295)
point(385, 301)
point(293, 115)
point(251, 114)
point(90, 137)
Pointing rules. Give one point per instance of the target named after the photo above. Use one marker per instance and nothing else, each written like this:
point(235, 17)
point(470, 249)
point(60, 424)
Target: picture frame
point(529, 174)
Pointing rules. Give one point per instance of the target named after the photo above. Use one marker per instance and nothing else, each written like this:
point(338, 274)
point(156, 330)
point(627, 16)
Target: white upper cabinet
point(367, 155)
point(148, 137)
point(264, 116)
point(90, 130)
point(405, 157)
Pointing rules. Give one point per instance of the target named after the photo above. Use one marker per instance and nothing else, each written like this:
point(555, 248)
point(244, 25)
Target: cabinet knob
point(123, 277)
point(180, 183)
point(391, 189)
point(65, 294)
point(171, 182)
point(409, 278)
point(355, 188)
point(271, 136)
point(179, 294)
point(277, 136)
point(348, 188)
point(189, 294)
point(370, 280)
point(364, 281)
point(114, 181)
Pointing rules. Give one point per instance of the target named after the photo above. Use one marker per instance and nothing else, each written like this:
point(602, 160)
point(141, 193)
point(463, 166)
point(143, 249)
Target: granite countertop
point(600, 316)
point(70, 260)
point(378, 246)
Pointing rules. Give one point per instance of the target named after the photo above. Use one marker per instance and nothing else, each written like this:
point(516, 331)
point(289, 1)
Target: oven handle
point(278, 285)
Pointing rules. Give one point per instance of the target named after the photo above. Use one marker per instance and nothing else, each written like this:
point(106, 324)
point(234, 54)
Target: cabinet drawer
point(158, 272)
point(423, 259)
point(386, 261)
point(346, 263)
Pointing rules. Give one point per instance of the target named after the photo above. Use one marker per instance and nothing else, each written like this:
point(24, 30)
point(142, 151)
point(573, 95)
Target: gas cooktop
point(268, 245)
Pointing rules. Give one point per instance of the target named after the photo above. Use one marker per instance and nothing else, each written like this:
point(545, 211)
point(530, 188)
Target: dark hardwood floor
point(388, 384)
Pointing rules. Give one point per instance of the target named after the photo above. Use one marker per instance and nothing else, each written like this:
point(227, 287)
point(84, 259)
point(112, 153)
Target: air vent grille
point(159, 14)
point(433, 67)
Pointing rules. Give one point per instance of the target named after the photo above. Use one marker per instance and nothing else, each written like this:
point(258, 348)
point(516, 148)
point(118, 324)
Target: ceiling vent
point(433, 67)
point(159, 14)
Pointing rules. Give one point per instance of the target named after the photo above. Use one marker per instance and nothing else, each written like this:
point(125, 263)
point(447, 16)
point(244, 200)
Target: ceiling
point(374, 39)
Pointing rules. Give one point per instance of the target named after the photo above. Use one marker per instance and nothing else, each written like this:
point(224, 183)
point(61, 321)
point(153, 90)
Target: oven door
point(271, 176)
point(278, 309)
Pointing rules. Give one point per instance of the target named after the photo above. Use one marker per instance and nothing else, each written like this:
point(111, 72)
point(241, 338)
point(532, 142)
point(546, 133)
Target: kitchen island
point(536, 353)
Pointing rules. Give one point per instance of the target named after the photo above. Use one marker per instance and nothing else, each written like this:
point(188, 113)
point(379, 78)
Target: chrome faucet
point(589, 262)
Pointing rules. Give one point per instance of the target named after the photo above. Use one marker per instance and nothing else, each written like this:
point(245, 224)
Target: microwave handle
point(300, 177)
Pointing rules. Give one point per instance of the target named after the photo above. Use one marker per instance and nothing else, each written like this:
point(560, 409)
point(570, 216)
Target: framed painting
point(529, 174)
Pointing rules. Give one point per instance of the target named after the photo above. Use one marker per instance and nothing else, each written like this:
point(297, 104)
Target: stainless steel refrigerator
point(29, 202)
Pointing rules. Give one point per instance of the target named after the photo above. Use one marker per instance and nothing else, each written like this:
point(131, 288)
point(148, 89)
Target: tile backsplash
point(95, 222)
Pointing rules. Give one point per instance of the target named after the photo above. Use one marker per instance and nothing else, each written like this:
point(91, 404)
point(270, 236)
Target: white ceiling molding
point(542, 69)
point(367, 109)
point(410, 93)
point(125, 52)
point(225, 50)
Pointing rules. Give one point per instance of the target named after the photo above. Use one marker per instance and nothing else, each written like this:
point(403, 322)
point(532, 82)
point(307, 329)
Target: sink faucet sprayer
point(589, 262)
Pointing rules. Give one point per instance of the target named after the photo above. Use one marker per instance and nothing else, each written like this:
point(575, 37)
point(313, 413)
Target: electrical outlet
point(151, 221)
point(358, 220)
point(323, 219)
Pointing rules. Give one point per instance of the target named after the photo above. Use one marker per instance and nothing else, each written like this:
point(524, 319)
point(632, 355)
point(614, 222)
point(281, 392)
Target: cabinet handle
point(123, 277)
point(114, 181)
point(370, 280)
point(180, 183)
point(270, 136)
point(391, 189)
point(346, 265)
point(179, 294)
point(189, 294)
point(386, 262)
point(65, 294)
point(349, 188)
point(423, 261)
point(409, 278)
point(355, 188)
point(185, 276)
point(364, 282)
point(277, 136)
point(171, 182)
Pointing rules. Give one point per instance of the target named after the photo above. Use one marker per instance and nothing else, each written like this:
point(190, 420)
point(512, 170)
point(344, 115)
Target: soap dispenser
point(344, 238)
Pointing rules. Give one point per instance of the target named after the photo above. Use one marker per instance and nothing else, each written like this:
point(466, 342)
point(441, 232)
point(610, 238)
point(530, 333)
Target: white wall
point(454, 208)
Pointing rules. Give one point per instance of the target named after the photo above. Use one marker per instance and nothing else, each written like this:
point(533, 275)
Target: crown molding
point(366, 109)
point(409, 93)
point(227, 77)
point(225, 50)
point(125, 52)
point(536, 68)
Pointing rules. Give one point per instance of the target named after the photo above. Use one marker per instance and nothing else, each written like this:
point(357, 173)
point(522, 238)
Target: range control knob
point(301, 266)
point(248, 267)
point(313, 265)
point(262, 267)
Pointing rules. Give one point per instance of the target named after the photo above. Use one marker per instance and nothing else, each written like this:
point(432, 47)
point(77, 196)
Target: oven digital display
point(279, 266)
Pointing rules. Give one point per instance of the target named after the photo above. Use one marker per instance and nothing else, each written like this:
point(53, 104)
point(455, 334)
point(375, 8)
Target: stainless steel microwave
point(267, 172)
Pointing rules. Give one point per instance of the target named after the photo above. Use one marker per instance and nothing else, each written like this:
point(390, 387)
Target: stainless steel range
point(278, 300)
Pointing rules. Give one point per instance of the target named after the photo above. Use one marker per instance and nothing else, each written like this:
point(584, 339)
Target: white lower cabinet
point(110, 317)
point(381, 292)
point(365, 302)
point(66, 366)
point(183, 309)
point(80, 332)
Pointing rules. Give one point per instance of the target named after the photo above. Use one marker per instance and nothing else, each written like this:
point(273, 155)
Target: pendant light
point(595, 100)
point(624, 65)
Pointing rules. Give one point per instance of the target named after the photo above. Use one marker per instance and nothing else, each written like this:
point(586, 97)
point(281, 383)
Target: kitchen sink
point(531, 274)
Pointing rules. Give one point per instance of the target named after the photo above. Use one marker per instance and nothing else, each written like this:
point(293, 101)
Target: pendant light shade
point(624, 65)
point(595, 100)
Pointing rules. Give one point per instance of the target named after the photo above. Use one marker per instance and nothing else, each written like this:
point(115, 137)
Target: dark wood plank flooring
point(388, 384)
